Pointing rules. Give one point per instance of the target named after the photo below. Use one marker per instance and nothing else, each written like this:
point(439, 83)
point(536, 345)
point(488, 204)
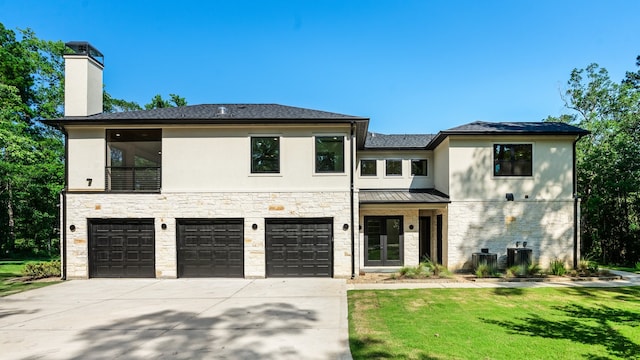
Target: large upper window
point(265, 155)
point(419, 167)
point(329, 154)
point(368, 168)
point(133, 159)
point(393, 167)
point(512, 160)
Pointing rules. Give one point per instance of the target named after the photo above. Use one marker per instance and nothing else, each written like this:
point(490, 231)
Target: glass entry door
point(383, 237)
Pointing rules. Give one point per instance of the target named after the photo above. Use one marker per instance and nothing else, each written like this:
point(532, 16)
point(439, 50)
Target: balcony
point(132, 178)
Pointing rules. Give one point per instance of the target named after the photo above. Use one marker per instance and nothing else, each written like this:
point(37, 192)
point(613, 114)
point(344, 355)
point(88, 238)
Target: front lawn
point(11, 282)
point(503, 323)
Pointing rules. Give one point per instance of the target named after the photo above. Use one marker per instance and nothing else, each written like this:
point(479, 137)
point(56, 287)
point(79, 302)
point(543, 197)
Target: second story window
point(329, 154)
point(512, 159)
point(265, 155)
point(133, 160)
point(419, 167)
point(368, 168)
point(393, 167)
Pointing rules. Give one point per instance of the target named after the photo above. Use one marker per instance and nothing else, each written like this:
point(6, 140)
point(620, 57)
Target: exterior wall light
point(411, 227)
point(345, 227)
point(72, 228)
point(164, 226)
point(254, 226)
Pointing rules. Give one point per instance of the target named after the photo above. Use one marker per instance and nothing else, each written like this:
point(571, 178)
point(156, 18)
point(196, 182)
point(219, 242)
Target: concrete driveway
point(177, 319)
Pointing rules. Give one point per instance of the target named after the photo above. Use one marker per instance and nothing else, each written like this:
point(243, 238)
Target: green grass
point(12, 269)
point(623, 268)
point(504, 323)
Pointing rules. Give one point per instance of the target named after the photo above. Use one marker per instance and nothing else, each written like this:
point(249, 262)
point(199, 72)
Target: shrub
point(557, 267)
point(523, 270)
point(41, 270)
point(638, 266)
point(485, 270)
point(424, 269)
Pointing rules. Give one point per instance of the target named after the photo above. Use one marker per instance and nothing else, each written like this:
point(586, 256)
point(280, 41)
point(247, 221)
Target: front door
point(383, 236)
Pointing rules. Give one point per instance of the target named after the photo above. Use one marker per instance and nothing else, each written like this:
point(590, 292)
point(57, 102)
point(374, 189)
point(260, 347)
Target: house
point(266, 190)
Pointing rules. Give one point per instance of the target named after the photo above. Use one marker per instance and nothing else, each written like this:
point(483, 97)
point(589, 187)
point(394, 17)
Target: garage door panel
point(122, 248)
point(299, 247)
point(210, 247)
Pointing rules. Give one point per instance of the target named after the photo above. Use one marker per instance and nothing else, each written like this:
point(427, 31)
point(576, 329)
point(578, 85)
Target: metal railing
point(132, 178)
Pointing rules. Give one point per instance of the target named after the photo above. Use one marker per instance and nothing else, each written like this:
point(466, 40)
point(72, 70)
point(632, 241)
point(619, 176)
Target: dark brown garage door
point(210, 248)
point(299, 247)
point(121, 248)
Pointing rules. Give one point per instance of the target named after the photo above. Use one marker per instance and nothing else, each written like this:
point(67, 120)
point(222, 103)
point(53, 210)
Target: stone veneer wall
point(254, 207)
point(546, 226)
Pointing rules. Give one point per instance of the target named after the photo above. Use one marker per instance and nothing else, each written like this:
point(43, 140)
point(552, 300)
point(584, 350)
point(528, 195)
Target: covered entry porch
point(401, 228)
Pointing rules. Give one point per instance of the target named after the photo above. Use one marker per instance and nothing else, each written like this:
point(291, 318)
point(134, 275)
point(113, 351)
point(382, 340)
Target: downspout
point(63, 212)
point(576, 201)
point(353, 231)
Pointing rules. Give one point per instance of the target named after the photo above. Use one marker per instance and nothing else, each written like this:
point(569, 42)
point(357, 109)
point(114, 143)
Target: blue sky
point(410, 66)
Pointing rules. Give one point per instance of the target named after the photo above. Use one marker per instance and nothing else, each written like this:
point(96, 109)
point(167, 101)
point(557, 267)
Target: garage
point(299, 247)
point(121, 248)
point(210, 247)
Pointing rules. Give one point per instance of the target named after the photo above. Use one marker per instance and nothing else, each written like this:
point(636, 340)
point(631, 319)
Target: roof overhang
point(405, 197)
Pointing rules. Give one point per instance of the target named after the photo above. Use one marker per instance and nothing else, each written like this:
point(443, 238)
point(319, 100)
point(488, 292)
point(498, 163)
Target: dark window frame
point(386, 167)
point(513, 159)
point(255, 165)
point(327, 161)
point(425, 167)
point(375, 167)
point(140, 175)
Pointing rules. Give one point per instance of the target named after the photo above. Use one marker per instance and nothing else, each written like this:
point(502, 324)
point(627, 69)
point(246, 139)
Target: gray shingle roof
point(402, 196)
point(237, 112)
point(509, 128)
point(397, 141)
point(516, 127)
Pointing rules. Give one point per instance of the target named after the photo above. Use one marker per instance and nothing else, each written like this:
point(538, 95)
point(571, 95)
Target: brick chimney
point(83, 66)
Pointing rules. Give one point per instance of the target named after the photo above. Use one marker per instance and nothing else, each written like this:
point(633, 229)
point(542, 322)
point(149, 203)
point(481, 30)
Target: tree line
point(32, 155)
point(608, 161)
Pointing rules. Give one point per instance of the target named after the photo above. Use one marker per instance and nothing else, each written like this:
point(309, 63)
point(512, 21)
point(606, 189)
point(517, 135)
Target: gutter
point(353, 233)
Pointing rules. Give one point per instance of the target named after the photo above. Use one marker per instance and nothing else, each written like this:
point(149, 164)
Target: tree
point(157, 102)
point(608, 161)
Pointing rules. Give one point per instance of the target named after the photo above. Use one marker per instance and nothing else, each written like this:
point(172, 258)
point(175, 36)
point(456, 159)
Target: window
point(419, 167)
point(265, 155)
point(368, 168)
point(133, 160)
point(512, 160)
point(393, 168)
point(329, 154)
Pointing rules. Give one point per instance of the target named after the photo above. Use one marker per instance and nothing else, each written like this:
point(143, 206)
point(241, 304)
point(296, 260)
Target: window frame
point(252, 170)
point(134, 136)
point(375, 168)
point(495, 161)
point(426, 167)
point(386, 168)
point(340, 171)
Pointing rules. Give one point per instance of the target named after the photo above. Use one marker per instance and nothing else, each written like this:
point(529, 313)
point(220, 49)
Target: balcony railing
point(132, 178)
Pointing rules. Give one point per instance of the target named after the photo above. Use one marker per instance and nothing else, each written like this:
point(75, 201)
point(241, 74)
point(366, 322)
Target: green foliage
point(425, 269)
point(557, 267)
point(484, 270)
point(41, 270)
point(638, 266)
point(523, 270)
point(157, 102)
point(608, 161)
